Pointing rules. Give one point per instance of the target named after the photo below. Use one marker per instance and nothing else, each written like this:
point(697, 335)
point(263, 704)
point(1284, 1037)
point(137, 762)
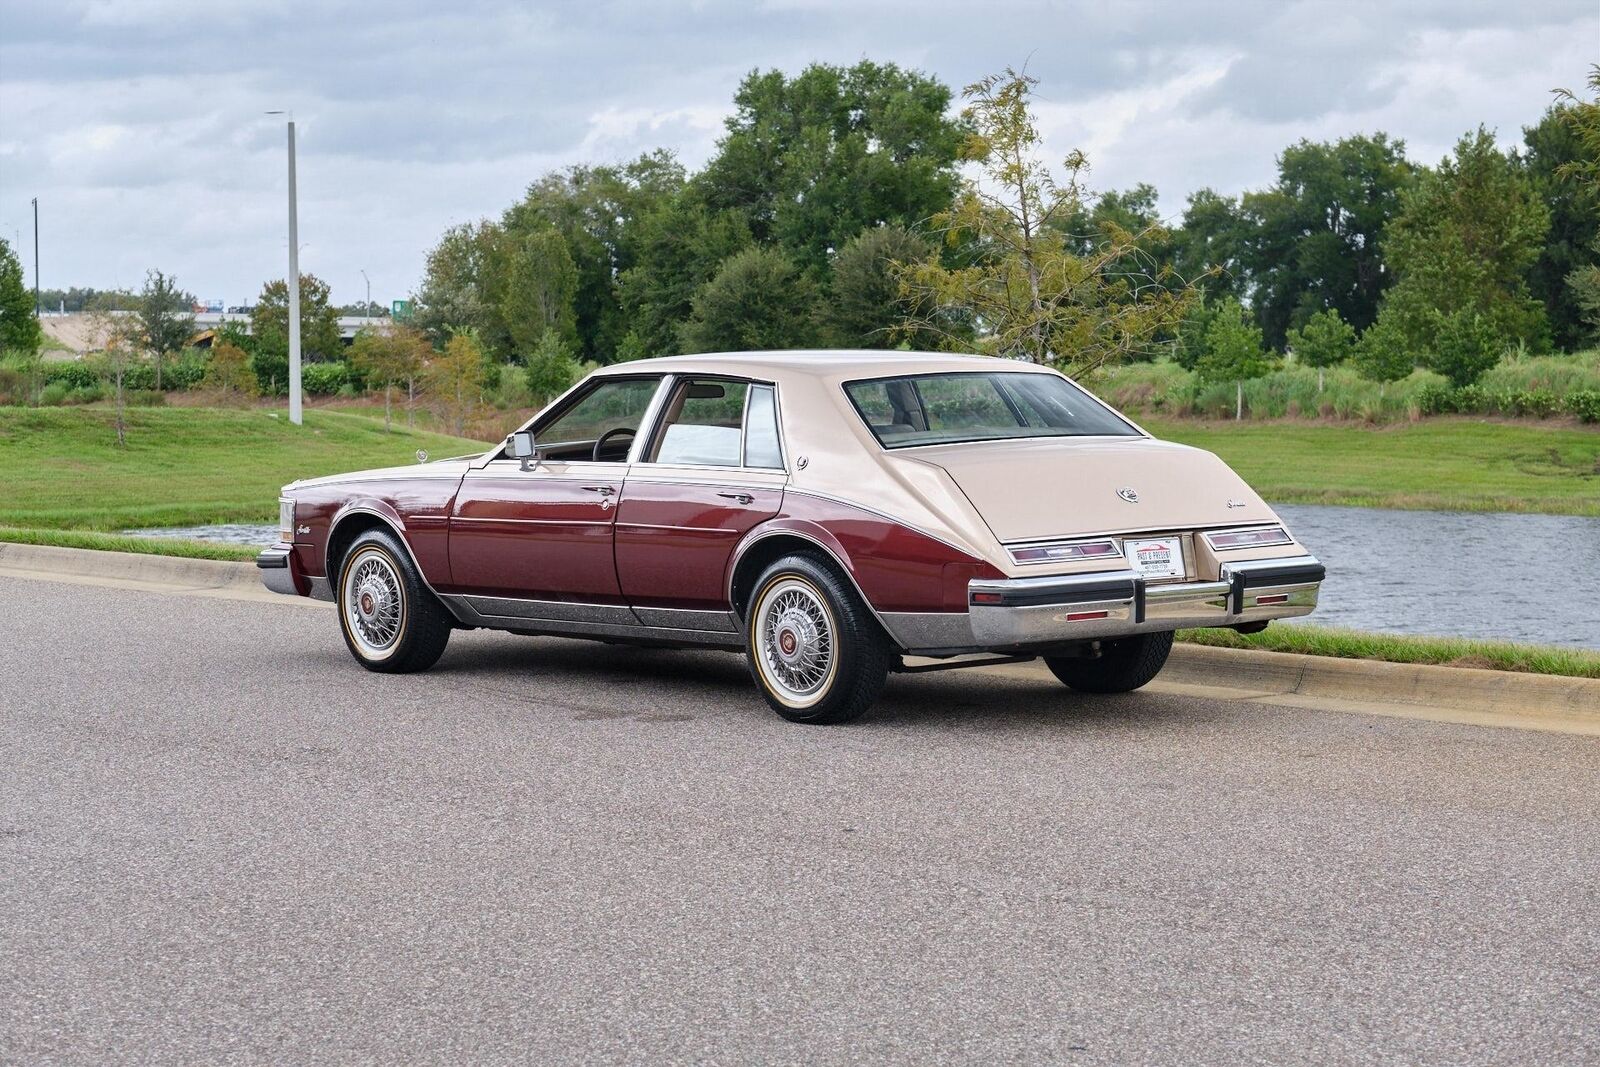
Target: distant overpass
point(348, 324)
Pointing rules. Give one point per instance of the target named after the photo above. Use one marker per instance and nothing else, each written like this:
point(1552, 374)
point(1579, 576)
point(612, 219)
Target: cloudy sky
point(139, 124)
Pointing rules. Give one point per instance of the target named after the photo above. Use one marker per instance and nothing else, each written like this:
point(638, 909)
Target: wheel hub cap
point(796, 646)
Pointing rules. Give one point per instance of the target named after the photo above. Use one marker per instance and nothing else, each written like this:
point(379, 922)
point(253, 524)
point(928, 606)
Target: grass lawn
point(62, 469)
point(1455, 464)
point(1391, 648)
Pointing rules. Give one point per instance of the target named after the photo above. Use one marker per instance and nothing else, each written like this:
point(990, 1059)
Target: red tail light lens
point(1257, 537)
point(1064, 552)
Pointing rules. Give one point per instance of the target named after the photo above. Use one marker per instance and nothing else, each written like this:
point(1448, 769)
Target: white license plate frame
point(1146, 557)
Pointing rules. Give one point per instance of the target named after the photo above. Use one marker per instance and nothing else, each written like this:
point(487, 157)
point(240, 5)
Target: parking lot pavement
point(220, 840)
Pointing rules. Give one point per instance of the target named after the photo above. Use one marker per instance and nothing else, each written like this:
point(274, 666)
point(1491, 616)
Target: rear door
point(713, 469)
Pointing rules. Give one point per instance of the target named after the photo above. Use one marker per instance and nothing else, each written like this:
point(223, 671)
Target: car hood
point(1068, 487)
point(443, 468)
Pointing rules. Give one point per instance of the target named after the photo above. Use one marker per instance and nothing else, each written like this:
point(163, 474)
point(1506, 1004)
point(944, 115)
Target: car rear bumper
point(1021, 613)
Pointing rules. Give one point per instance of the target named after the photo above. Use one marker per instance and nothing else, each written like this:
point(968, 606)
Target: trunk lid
point(1069, 487)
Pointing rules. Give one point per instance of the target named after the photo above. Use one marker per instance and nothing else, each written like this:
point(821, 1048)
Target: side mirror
point(520, 445)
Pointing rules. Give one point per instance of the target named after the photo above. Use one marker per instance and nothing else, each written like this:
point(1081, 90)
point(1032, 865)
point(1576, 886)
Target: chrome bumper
point(276, 574)
point(1018, 613)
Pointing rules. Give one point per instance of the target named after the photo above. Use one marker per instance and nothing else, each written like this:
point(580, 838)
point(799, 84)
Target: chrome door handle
point(743, 498)
point(603, 490)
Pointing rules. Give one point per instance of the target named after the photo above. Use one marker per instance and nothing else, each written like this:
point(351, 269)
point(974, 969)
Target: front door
point(545, 534)
point(713, 470)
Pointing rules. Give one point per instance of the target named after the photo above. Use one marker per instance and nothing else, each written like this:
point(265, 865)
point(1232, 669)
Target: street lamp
point(366, 310)
point(294, 286)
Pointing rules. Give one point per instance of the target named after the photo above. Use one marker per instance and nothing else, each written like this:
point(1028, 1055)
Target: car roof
point(839, 364)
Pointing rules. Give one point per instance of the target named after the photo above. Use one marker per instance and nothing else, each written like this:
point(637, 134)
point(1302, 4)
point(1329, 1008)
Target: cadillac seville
point(832, 515)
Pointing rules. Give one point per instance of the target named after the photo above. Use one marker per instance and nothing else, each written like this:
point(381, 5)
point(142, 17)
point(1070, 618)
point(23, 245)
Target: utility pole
point(366, 310)
point(36, 306)
point(294, 286)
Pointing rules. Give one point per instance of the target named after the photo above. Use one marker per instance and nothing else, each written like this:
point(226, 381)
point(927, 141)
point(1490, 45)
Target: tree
point(680, 245)
point(1314, 240)
point(865, 306)
point(1190, 348)
point(119, 337)
point(228, 373)
point(386, 356)
point(551, 367)
point(1466, 345)
point(1564, 161)
point(813, 160)
point(1464, 240)
point(757, 300)
point(596, 210)
point(165, 316)
point(19, 325)
point(1233, 352)
point(319, 323)
point(1208, 247)
point(1383, 354)
point(457, 284)
point(534, 291)
point(1326, 340)
point(1029, 293)
point(456, 379)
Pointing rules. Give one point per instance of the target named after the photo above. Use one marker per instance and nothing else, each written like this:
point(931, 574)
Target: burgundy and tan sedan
point(833, 515)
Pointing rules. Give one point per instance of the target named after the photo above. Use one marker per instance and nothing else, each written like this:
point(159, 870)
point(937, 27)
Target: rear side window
point(946, 408)
point(717, 422)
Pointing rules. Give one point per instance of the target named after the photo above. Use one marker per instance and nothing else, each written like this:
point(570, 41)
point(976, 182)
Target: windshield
point(934, 409)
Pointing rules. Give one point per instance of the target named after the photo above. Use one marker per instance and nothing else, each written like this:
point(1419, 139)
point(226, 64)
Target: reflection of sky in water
point(1517, 577)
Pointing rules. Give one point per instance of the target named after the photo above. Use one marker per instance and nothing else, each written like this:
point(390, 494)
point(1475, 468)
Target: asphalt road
point(221, 841)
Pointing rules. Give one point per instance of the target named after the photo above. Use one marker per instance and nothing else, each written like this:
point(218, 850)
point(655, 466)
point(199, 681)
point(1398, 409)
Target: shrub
point(87, 394)
point(187, 371)
point(1584, 404)
point(323, 379)
point(53, 395)
point(1466, 346)
point(229, 372)
point(146, 398)
point(73, 375)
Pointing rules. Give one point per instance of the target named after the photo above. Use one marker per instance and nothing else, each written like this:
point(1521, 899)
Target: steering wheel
point(608, 435)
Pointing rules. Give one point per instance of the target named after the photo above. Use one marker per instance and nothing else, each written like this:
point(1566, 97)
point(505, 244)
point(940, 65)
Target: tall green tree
point(1465, 238)
point(535, 288)
point(319, 323)
point(1564, 159)
point(757, 300)
point(865, 307)
point(166, 316)
point(458, 284)
point(1315, 238)
point(679, 246)
point(1209, 246)
point(19, 325)
point(1031, 294)
point(812, 160)
point(597, 209)
point(1234, 351)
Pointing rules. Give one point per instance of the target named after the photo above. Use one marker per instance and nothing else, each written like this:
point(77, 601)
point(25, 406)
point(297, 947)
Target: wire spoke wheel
point(373, 603)
point(796, 641)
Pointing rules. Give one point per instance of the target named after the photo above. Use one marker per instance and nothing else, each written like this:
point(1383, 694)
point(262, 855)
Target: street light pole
point(295, 415)
point(366, 311)
point(36, 307)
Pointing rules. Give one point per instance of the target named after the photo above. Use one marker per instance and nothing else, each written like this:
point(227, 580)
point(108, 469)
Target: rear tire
point(391, 622)
point(816, 653)
point(1123, 666)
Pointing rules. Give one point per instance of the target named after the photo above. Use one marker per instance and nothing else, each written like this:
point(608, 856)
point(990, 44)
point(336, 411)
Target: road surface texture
point(221, 841)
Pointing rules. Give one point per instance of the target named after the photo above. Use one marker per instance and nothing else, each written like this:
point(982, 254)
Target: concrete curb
point(1457, 694)
point(168, 574)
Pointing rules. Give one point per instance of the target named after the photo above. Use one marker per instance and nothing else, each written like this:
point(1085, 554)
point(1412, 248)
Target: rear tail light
point(285, 519)
point(1065, 552)
point(1085, 616)
point(1257, 537)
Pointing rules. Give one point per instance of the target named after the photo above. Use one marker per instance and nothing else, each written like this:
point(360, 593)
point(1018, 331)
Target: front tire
point(1123, 665)
point(816, 653)
point(392, 624)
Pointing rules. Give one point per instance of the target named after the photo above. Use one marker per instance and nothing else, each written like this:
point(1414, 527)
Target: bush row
point(1582, 404)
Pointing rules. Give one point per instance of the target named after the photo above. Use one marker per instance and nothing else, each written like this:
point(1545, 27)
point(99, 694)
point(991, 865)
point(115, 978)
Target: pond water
point(1452, 574)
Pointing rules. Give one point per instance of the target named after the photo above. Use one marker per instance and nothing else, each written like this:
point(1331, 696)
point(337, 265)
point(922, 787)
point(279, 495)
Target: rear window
point(933, 409)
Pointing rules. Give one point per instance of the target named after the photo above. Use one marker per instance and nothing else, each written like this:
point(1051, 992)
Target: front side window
point(937, 409)
point(715, 422)
point(613, 410)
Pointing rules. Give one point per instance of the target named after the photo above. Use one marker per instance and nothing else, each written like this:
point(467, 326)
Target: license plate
point(1155, 557)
